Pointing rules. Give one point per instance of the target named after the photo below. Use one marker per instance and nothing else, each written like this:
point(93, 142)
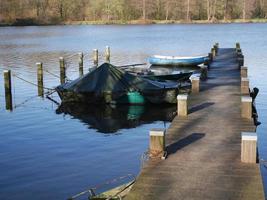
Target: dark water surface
point(51, 152)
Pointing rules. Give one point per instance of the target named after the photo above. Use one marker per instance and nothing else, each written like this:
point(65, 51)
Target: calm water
point(51, 152)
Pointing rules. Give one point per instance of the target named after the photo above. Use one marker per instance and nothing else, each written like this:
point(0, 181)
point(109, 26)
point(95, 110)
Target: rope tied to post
point(51, 89)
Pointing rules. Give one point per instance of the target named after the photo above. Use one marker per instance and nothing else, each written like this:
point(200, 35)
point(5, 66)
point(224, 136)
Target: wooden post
point(246, 107)
point(182, 105)
point(62, 70)
point(40, 79)
point(216, 47)
point(8, 92)
point(81, 64)
point(244, 72)
point(213, 51)
point(244, 86)
point(237, 45)
point(249, 147)
point(195, 85)
point(210, 57)
point(107, 52)
point(204, 72)
point(157, 142)
point(95, 57)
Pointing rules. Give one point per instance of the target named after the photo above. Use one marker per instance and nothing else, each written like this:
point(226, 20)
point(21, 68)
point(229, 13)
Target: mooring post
point(244, 86)
point(216, 47)
point(195, 85)
point(62, 70)
point(80, 64)
point(213, 51)
point(204, 72)
point(249, 147)
point(157, 142)
point(95, 57)
point(8, 93)
point(107, 52)
point(246, 107)
point(244, 72)
point(40, 79)
point(237, 45)
point(182, 105)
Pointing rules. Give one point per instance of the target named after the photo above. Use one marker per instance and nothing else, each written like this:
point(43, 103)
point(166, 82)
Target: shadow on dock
point(174, 147)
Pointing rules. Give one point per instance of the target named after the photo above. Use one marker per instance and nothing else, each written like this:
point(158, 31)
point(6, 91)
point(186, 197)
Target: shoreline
point(135, 22)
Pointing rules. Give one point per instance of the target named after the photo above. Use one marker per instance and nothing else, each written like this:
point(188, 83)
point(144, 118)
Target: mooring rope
point(25, 101)
point(55, 75)
point(31, 82)
point(91, 191)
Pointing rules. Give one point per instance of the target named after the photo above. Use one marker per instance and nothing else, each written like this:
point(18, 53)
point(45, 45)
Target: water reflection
point(110, 119)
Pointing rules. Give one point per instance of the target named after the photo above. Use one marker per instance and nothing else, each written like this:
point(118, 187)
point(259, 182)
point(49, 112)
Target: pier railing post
point(246, 107)
point(216, 47)
point(249, 147)
point(195, 85)
point(182, 105)
point(40, 79)
point(95, 57)
point(62, 70)
point(244, 86)
point(8, 91)
point(157, 142)
point(244, 72)
point(107, 53)
point(81, 64)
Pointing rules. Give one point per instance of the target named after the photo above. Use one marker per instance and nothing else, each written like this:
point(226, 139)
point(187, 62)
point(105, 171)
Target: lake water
point(51, 152)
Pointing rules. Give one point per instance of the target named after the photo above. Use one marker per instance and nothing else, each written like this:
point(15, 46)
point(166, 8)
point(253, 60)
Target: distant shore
point(26, 22)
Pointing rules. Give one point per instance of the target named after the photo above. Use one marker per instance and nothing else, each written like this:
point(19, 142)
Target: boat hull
point(167, 96)
point(168, 61)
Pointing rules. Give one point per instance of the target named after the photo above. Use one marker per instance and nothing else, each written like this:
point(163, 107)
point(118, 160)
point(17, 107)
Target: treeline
point(57, 11)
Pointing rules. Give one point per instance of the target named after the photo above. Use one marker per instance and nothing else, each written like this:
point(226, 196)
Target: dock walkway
point(204, 148)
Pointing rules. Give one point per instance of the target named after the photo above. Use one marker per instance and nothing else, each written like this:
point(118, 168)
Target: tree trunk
point(244, 10)
point(208, 10)
point(188, 11)
point(144, 9)
point(167, 11)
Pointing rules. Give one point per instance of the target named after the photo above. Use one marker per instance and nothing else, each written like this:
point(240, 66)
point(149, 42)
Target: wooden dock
point(204, 148)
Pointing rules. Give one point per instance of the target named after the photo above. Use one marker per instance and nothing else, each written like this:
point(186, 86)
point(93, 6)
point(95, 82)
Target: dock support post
point(62, 70)
point(210, 57)
point(8, 93)
point(244, 72)
point(244, 86)
point(95, 57)
point(204, 72)
point(182, 107)
point(195, 85)
point(246, 107)
point(80, 64)
point(237, 45)
point(157, 142)
point(213, 51)
point(249, 147)
point(40, 79)
point(107, 52)
point(216, 47)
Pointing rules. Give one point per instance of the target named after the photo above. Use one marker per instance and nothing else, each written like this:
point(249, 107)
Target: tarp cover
point(108, 78)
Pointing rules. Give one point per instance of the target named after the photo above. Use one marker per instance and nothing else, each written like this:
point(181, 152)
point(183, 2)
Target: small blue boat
point(177, 61)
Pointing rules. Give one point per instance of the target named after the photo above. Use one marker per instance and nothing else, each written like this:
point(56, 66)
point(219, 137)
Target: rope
point(25, 101)
point(51, 73)
point(31, 82)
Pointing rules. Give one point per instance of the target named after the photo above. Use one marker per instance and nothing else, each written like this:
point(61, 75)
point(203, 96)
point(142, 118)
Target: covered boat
point(169, 77)
point(177, 61)
point(108, 84)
